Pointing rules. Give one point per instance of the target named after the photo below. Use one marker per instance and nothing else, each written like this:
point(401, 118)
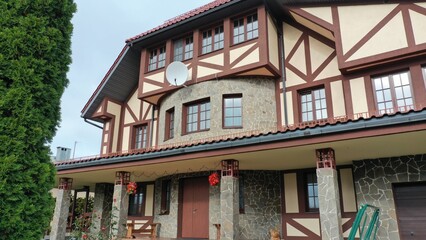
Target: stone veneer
point(59, 222)
point(262, 198)
point(229, 208)
point(119, 211)
point(373, 184)
point(102, 206)
point(329, 204)
point(259, 107)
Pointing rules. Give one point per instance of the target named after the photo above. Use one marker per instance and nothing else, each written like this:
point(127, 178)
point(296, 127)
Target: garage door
point(410, 201)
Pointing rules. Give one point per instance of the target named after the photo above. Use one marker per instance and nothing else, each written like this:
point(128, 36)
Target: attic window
point(212, 39)
point(245, 28)
point(157, 58)
point(183, 48)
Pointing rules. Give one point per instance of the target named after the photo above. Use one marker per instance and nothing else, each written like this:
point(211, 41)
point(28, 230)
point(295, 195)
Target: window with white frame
point(393, 92)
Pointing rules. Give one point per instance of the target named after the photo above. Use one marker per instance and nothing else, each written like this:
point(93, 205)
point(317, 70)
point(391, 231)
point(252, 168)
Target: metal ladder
point(366, 231)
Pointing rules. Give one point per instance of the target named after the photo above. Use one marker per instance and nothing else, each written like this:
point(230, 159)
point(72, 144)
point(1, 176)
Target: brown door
point(410, 201)
point(195, 208)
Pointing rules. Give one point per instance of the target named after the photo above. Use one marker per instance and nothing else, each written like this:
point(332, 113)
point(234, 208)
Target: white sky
point(100, 30)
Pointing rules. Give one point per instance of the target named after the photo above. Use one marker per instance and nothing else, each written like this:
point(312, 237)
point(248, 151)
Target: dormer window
point(183, 48)
point(157, 58)
point(245, 28)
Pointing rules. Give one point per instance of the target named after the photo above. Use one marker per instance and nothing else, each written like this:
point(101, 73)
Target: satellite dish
point(176, 73)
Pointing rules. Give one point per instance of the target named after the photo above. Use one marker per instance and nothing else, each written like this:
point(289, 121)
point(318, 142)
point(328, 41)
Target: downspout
point(282, 54)
point(283, 74)
point(91, 123)
point(152, 125)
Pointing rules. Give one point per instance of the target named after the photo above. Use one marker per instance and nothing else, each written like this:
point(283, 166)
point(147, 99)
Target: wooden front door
point(410, 201)
point(195, 208)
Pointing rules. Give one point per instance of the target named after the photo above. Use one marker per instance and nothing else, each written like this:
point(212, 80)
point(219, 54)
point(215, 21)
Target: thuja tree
point(35, 51)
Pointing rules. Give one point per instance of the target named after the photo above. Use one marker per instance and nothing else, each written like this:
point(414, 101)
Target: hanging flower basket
point(131, 187)
point(214, 179)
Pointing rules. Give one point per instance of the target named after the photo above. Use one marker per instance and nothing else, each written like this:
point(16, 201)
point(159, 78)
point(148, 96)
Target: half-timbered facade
point(306, 109)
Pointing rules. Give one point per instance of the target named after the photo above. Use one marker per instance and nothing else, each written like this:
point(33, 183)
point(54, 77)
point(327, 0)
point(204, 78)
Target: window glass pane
point(378, 83)
point(316, 94)
point(324, 113)
point(310, 116)
point(228, 122)
point(407, 91)
point(387, 94)
point(398, 93)
point(396, 80)
point(238, 121)
point(228, 112)
point(237, 111)
point(385, 82)
point(404, 79)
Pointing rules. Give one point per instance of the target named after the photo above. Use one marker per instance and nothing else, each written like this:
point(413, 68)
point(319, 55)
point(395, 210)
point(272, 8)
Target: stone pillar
point(229, 200)
point(120, 205)
point(101, 216)
point(60, 217)
point(328, 195)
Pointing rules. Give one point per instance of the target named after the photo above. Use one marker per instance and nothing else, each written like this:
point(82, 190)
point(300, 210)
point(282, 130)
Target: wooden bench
point(152, 231)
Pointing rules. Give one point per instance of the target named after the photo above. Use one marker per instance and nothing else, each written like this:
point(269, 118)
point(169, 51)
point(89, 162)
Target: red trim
point(253, 148)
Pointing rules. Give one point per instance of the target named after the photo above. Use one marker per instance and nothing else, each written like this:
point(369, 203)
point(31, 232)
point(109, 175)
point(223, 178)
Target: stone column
point(60, 217)
point(229, 200)
point(328, 195)
point(120, 205)
point(101, 216)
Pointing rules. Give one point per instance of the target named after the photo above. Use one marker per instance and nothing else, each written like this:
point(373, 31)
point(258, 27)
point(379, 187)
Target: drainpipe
point(283, 75)
point(282, 54)
point(91, 123)
point(152, 124)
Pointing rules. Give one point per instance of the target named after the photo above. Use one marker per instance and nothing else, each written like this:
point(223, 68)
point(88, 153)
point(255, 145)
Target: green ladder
point(361, 219)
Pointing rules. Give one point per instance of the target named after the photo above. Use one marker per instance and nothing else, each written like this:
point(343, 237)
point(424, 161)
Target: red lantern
point(131, 187)
point(214, 179)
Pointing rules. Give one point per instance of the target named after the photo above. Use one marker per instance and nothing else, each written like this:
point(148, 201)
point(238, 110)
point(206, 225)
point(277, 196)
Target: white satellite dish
point(176, 73)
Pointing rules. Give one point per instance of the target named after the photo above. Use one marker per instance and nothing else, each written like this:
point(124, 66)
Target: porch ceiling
point(285, 158)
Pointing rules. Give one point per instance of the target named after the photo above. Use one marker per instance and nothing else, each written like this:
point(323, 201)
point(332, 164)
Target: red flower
point(131, 187)
point(85, 236)
point(214, 179)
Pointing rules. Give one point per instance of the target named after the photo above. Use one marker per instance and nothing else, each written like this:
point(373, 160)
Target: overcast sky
point(100, 29)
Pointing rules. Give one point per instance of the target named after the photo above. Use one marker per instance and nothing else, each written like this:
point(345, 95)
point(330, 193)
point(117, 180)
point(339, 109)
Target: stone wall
point(262, 204)
point(373, 184)
point(259, 107)
point(262, 198)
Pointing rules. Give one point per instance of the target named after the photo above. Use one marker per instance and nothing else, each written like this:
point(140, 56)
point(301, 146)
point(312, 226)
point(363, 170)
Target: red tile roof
point(242, 135)
point(182, 17)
